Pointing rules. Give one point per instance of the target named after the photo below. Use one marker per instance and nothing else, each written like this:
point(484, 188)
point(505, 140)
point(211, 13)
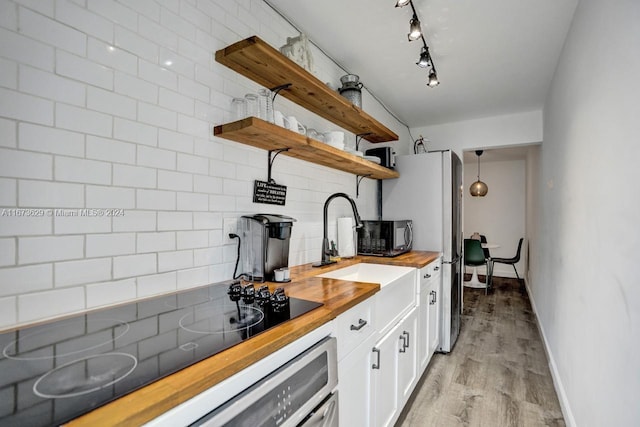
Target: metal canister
point(351, 89)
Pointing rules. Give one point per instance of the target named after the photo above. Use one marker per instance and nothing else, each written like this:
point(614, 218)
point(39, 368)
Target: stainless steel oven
point(301, 392)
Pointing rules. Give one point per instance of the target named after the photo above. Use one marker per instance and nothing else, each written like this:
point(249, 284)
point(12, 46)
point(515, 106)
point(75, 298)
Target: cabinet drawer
point(355, 326)
point(429, 273)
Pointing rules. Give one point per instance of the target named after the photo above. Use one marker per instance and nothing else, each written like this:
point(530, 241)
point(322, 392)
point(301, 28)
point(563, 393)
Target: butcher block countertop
point(337, 296)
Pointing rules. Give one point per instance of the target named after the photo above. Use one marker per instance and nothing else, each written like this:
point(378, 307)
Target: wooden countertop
point(337, 296)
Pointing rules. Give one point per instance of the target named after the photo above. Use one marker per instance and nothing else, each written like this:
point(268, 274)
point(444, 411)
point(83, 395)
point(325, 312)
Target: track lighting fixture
point(414, 29)
point(415, 33)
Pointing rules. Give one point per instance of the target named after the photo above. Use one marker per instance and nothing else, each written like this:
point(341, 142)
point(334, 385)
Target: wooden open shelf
point(257, 60)
point(259, 133)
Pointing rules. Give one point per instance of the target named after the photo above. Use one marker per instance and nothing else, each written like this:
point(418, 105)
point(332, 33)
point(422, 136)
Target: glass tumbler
point(266, 105)
point(238, 108)
point(253, 108)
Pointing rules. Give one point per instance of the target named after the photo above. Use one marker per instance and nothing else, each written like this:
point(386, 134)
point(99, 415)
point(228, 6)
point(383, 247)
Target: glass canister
point(266, 105)
point(253, 107)
point(351, 89)
point(238, 108)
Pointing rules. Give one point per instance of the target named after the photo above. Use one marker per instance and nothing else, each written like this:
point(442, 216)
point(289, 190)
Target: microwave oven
point(385, 238)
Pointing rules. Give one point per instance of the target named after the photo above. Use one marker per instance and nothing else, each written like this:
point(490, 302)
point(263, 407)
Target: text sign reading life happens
point(268, 192)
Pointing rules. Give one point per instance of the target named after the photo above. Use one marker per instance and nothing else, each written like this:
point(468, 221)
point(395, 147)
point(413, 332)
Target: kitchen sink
point(371, 273)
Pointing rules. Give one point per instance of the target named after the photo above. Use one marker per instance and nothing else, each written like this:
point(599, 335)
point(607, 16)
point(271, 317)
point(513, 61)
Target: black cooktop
point(52, 373)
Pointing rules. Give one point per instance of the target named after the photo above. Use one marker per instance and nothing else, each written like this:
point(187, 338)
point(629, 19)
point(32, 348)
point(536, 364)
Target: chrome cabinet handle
point(427, 276)
point(436, 268)
point(377, 364)
point(404, 344)
point(407, 334)
point(433, 297)
point(361, 323)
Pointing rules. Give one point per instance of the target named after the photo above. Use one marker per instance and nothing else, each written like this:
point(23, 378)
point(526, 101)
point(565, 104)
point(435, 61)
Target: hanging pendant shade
point(478, 188)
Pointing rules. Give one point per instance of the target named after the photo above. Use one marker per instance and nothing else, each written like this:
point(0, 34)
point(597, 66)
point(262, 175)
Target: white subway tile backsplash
point(193, 277)
point(208, 256)
point(51, 32)
point(132, 131)
point(192, 239)
point(100, 245)
point(192, 202)
point(157, 158)
point(81, 120)
point(8, 74)
point(134, 265)
point(236, 187)
point(169, 261)
point(8, 312)
point(222, 169)
point(175, 221)
point(7, 252)
point(196, 17)
point(215, 238)
point(193, 164)
point(134, 220)
point(24, 225)
point(161, 35)
point(176, 102)
point(193, 126)
point(49, 248)
point(17, 280)
point(175, 141)
point(198, 54)
point(9, 15)
point(44, 84)
point(113, 200)
point(84, 20)
point(156, 284)
point(19, 106)
point(134, 176)
point(114, 12)
point(193, 89)
point(157, 116)
point(111, 103)
point(76, 221)
point(73, 273)
point(207, 220)
point(8, 192)
point(178, 64)
point(135, 87)
point(50, 140)
point(109, 150)
point(157, 74)
point(182, 27)
point(21, 164)
point(52, 195)
point(8, 134)
point(156, 242)
point(155, 199)
point(84, 70)
point(81, 170)
point(179, 181)
point(108, 293)
point(139, 46)
point(49, 304)
point(212, 80)
point(26, 50)
point(222, 203)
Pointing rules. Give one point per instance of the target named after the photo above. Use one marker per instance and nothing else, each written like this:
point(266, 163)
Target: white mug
point(293, 124)
point(278, 118)
point(279, 275)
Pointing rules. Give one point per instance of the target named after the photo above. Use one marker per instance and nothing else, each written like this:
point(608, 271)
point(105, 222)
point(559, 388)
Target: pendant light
point(478, 188)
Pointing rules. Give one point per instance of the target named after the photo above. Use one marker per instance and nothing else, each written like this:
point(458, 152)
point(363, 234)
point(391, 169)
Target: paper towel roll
point(346, 243)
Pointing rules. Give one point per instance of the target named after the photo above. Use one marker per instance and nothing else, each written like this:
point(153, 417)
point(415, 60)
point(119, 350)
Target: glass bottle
point(238, 108)
point(266, 105)
point(253, 109)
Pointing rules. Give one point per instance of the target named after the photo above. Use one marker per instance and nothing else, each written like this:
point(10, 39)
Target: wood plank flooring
point(497, 374)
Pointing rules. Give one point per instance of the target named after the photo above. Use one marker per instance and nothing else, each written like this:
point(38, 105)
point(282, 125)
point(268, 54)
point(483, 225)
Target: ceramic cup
point(293, 124)
point(278, 118)
point(334, 137)
point(279, 275)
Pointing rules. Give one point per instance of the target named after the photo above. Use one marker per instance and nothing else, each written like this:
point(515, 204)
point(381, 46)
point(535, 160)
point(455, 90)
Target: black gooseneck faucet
point(326, 253)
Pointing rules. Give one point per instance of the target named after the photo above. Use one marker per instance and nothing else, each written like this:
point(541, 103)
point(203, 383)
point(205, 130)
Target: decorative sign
point(269, 192)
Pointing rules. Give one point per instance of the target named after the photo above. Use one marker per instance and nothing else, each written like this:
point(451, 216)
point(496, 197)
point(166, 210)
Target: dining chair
point(474, 257)
point(511, 261)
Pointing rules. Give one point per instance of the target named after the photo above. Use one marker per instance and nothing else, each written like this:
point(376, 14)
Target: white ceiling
point(492, 57)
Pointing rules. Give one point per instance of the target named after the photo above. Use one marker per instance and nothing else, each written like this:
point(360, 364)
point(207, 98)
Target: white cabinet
point(394, 370)
point(429, 311)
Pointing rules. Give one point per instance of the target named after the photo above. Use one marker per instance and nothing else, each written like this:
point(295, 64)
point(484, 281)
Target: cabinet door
point(424, 277)
point(407, 356)
point(434, 316)
point(354, 388)
point(384, 378)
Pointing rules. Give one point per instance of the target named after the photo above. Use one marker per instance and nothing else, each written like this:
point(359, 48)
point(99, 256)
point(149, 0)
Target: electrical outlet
point(230, 226)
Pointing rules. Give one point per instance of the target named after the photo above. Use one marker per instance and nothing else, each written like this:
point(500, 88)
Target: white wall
point(91, 116)
point(584, 282)
point(500, 215)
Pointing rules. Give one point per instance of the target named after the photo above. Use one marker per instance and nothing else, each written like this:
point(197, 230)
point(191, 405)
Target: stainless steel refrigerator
point(429, 192)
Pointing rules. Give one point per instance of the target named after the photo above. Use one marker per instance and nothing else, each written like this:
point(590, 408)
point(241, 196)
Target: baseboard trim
point(557, 382)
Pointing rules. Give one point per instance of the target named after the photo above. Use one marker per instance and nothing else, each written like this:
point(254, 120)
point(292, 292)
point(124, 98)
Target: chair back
point(517, 257)
point(483, 239)
point(473, 254)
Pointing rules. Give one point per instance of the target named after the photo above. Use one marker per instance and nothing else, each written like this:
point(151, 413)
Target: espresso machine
point(264, 246)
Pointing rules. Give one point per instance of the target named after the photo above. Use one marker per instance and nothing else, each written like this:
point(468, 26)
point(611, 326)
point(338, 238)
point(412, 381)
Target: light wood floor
point(496, 375)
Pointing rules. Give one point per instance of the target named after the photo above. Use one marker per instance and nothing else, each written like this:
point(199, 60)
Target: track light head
point(425, 59)
point(414, 29)
point(402, 3)
point(433, 79)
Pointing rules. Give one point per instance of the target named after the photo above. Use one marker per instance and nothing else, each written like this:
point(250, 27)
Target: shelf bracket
point(270, 163)
point(359, 138)
point(277, 90)
point(359, 179)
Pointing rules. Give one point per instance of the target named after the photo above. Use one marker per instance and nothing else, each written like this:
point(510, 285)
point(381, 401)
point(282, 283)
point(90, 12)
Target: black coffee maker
point(264, 245)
